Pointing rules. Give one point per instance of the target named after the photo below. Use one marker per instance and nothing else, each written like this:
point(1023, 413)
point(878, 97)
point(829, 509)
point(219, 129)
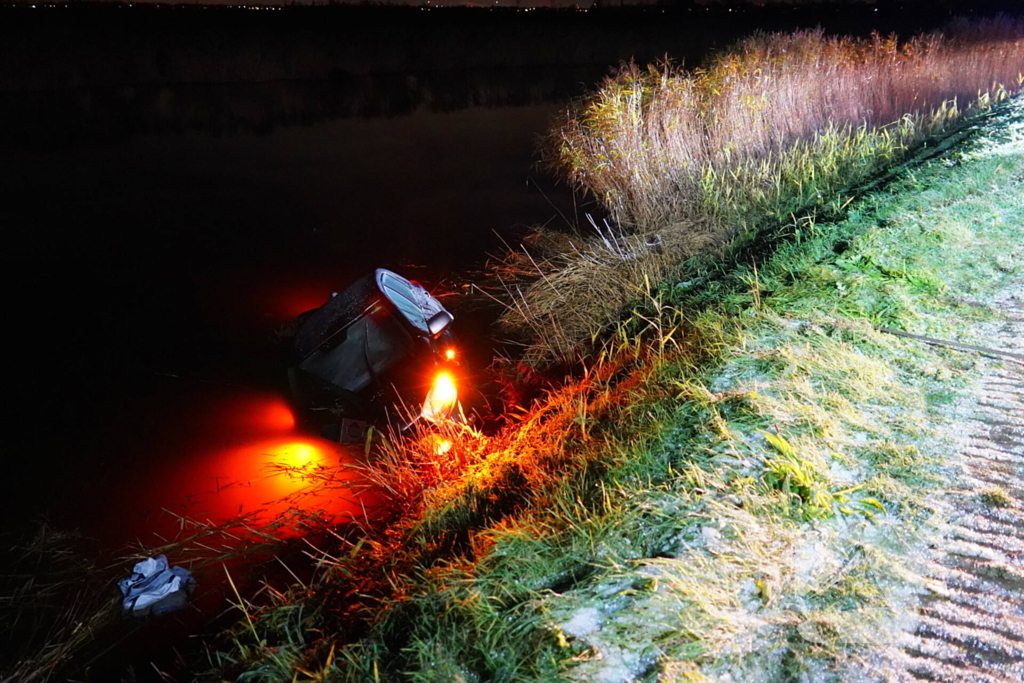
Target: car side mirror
point(439, 322)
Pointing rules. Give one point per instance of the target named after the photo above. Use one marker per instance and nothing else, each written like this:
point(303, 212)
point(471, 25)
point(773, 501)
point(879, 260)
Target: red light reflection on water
point(248, 298)
point(297, 301)
point(270, 476)
point(276, 415)
point(213, 455)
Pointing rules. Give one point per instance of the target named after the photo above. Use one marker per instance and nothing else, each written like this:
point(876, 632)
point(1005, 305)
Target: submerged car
point(378, 352)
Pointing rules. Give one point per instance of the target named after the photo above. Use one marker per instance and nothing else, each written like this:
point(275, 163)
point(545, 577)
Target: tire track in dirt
point(971, 627)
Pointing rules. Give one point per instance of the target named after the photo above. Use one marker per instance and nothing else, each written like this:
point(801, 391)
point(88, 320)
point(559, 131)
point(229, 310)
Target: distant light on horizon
point(724, 6)
point(519, 5)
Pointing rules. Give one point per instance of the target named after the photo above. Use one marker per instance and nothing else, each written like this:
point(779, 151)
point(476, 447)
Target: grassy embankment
point(780, 126)
point(739, 478)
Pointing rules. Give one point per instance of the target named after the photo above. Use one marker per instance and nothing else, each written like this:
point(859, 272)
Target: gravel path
point(972, 624)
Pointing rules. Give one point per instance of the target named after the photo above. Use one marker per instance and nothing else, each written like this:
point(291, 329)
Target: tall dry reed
point(655, 144)
point(684, 161)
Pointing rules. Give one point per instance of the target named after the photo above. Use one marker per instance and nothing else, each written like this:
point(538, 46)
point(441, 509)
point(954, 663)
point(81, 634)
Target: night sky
point(936, 6)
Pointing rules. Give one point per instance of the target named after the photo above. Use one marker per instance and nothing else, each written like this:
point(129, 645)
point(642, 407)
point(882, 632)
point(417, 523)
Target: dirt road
point(972, 624)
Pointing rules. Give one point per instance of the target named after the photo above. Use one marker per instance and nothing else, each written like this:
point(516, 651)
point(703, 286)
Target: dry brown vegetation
point(686, 161)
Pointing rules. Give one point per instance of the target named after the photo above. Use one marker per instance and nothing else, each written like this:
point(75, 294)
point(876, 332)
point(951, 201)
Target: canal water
point(148, 274)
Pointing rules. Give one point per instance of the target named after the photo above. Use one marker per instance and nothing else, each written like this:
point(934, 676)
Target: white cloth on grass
point(155, 588)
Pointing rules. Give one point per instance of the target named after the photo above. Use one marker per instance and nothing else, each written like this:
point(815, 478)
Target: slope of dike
point(799, 464)
point(916, 440)
point(971, 619)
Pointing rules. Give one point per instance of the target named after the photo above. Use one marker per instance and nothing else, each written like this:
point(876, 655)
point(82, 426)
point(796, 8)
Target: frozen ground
point(968, 624)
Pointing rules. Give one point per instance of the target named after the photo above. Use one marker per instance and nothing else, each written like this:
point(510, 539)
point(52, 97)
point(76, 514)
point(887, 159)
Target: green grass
point(743, 481)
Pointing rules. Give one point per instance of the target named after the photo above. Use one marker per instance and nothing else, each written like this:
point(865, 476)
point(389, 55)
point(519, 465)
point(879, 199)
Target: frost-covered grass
point(738, 488)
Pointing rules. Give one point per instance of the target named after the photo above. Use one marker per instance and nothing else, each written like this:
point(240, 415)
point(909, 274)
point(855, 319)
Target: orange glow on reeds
point(237, 453)
point(228, 456)
point(271, 476)
point(261, 472)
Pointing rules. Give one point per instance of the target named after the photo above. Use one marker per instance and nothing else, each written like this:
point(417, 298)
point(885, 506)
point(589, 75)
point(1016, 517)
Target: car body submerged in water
point(380, 352)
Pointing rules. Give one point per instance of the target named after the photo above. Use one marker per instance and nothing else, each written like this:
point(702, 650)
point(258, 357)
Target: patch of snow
point(813, 558)
point(582, 623)
point(713, 541)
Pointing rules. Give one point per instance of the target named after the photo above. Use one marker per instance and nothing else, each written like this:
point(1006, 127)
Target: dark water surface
point(145, 279)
